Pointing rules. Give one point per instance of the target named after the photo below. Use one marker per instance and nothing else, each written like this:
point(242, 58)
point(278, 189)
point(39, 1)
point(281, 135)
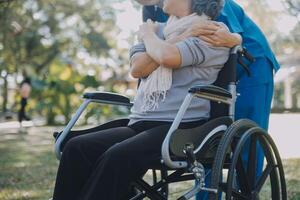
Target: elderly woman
point(102, 165)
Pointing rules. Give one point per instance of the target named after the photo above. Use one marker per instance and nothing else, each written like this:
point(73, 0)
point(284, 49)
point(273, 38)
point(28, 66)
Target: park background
point(70, 47)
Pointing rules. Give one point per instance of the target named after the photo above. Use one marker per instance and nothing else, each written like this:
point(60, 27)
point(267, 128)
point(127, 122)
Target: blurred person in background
point(25, 89)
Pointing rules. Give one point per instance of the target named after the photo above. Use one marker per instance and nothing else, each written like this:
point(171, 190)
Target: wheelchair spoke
point(241, 170)
point(235, 193)
point(223, 186)
point(239, 195)
point(242, 177)
point(251, 169)
point(264, 177)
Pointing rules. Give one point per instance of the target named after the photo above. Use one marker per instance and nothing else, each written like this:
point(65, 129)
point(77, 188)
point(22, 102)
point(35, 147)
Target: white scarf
point(154, 88)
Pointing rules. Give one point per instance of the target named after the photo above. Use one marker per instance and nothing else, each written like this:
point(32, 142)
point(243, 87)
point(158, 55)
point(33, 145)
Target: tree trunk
point(67, 110)
point(5, 94)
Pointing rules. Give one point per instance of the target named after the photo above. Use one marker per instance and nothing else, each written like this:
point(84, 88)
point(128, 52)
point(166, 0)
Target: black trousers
point(21, 114)
point(101, 165)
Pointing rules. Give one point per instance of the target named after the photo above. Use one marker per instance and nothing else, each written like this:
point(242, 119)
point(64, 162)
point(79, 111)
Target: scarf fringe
point(152, 100)
point(154, 88)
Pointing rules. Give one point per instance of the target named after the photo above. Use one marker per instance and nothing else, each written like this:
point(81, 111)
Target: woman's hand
point(148, 27)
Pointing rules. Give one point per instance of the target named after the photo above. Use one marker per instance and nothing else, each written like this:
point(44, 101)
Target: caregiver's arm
point(215, 33)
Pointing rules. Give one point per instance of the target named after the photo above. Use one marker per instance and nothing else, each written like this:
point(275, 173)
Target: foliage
point(64, 46)
point(293, 7)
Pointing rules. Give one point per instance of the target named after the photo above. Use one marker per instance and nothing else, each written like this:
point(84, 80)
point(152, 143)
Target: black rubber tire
point(237, 128)
point(279, 164)
point(233, 134)
point(255, 135)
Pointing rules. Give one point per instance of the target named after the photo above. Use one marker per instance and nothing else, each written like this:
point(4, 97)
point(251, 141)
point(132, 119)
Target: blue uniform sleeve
point(232, 15)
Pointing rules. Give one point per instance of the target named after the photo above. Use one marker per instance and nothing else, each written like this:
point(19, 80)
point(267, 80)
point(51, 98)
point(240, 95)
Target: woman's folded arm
point(142, 64)
point(162, 52)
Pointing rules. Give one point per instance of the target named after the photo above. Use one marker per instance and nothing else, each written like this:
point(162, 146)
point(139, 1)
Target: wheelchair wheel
point(236, 180)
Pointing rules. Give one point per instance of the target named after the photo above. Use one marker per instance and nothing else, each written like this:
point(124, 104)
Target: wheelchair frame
point(232, 139)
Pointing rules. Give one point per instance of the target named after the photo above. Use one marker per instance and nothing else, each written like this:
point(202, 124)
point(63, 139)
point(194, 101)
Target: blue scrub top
point(154, 13)
point(253, 38)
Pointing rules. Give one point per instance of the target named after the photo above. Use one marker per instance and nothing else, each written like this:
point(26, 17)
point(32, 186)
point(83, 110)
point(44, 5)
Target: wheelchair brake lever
point(247, 55)
point(189, 152)
point(198, 170)
point(194, 166)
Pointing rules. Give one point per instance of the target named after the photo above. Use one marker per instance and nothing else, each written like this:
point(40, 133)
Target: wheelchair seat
point(204, 138)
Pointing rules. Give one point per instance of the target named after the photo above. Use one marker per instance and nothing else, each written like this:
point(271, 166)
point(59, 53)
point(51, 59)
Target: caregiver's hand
point(215, 33)
point(201, 28)
point(148, 27)
point(222, 37)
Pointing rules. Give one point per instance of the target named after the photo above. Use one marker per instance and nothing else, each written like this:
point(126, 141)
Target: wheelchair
point(186, 154)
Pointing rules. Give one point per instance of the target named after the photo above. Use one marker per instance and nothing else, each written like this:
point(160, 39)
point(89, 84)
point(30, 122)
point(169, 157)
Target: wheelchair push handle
point(247, 55)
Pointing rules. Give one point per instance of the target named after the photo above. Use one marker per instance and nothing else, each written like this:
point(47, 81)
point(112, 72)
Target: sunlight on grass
point(28, 168)
point(14, 194)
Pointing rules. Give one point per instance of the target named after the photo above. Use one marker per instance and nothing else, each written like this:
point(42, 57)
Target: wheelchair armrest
point(211, 92)
point(97, 97)
point(108, 98)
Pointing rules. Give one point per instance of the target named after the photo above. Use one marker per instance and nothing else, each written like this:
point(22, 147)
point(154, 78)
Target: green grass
point(28, 166)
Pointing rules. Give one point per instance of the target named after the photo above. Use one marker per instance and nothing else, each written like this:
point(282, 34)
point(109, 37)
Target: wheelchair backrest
point(226, 76)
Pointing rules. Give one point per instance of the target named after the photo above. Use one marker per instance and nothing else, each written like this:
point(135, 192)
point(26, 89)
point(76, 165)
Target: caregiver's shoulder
point(201, 52)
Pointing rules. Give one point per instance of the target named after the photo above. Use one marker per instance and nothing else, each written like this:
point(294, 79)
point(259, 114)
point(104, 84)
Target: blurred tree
point(5, 1)
point(64, 45)
point(267, 18)
point(293, 7)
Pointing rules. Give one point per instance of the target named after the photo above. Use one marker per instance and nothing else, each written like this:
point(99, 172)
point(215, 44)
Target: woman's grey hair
point(211, 8)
